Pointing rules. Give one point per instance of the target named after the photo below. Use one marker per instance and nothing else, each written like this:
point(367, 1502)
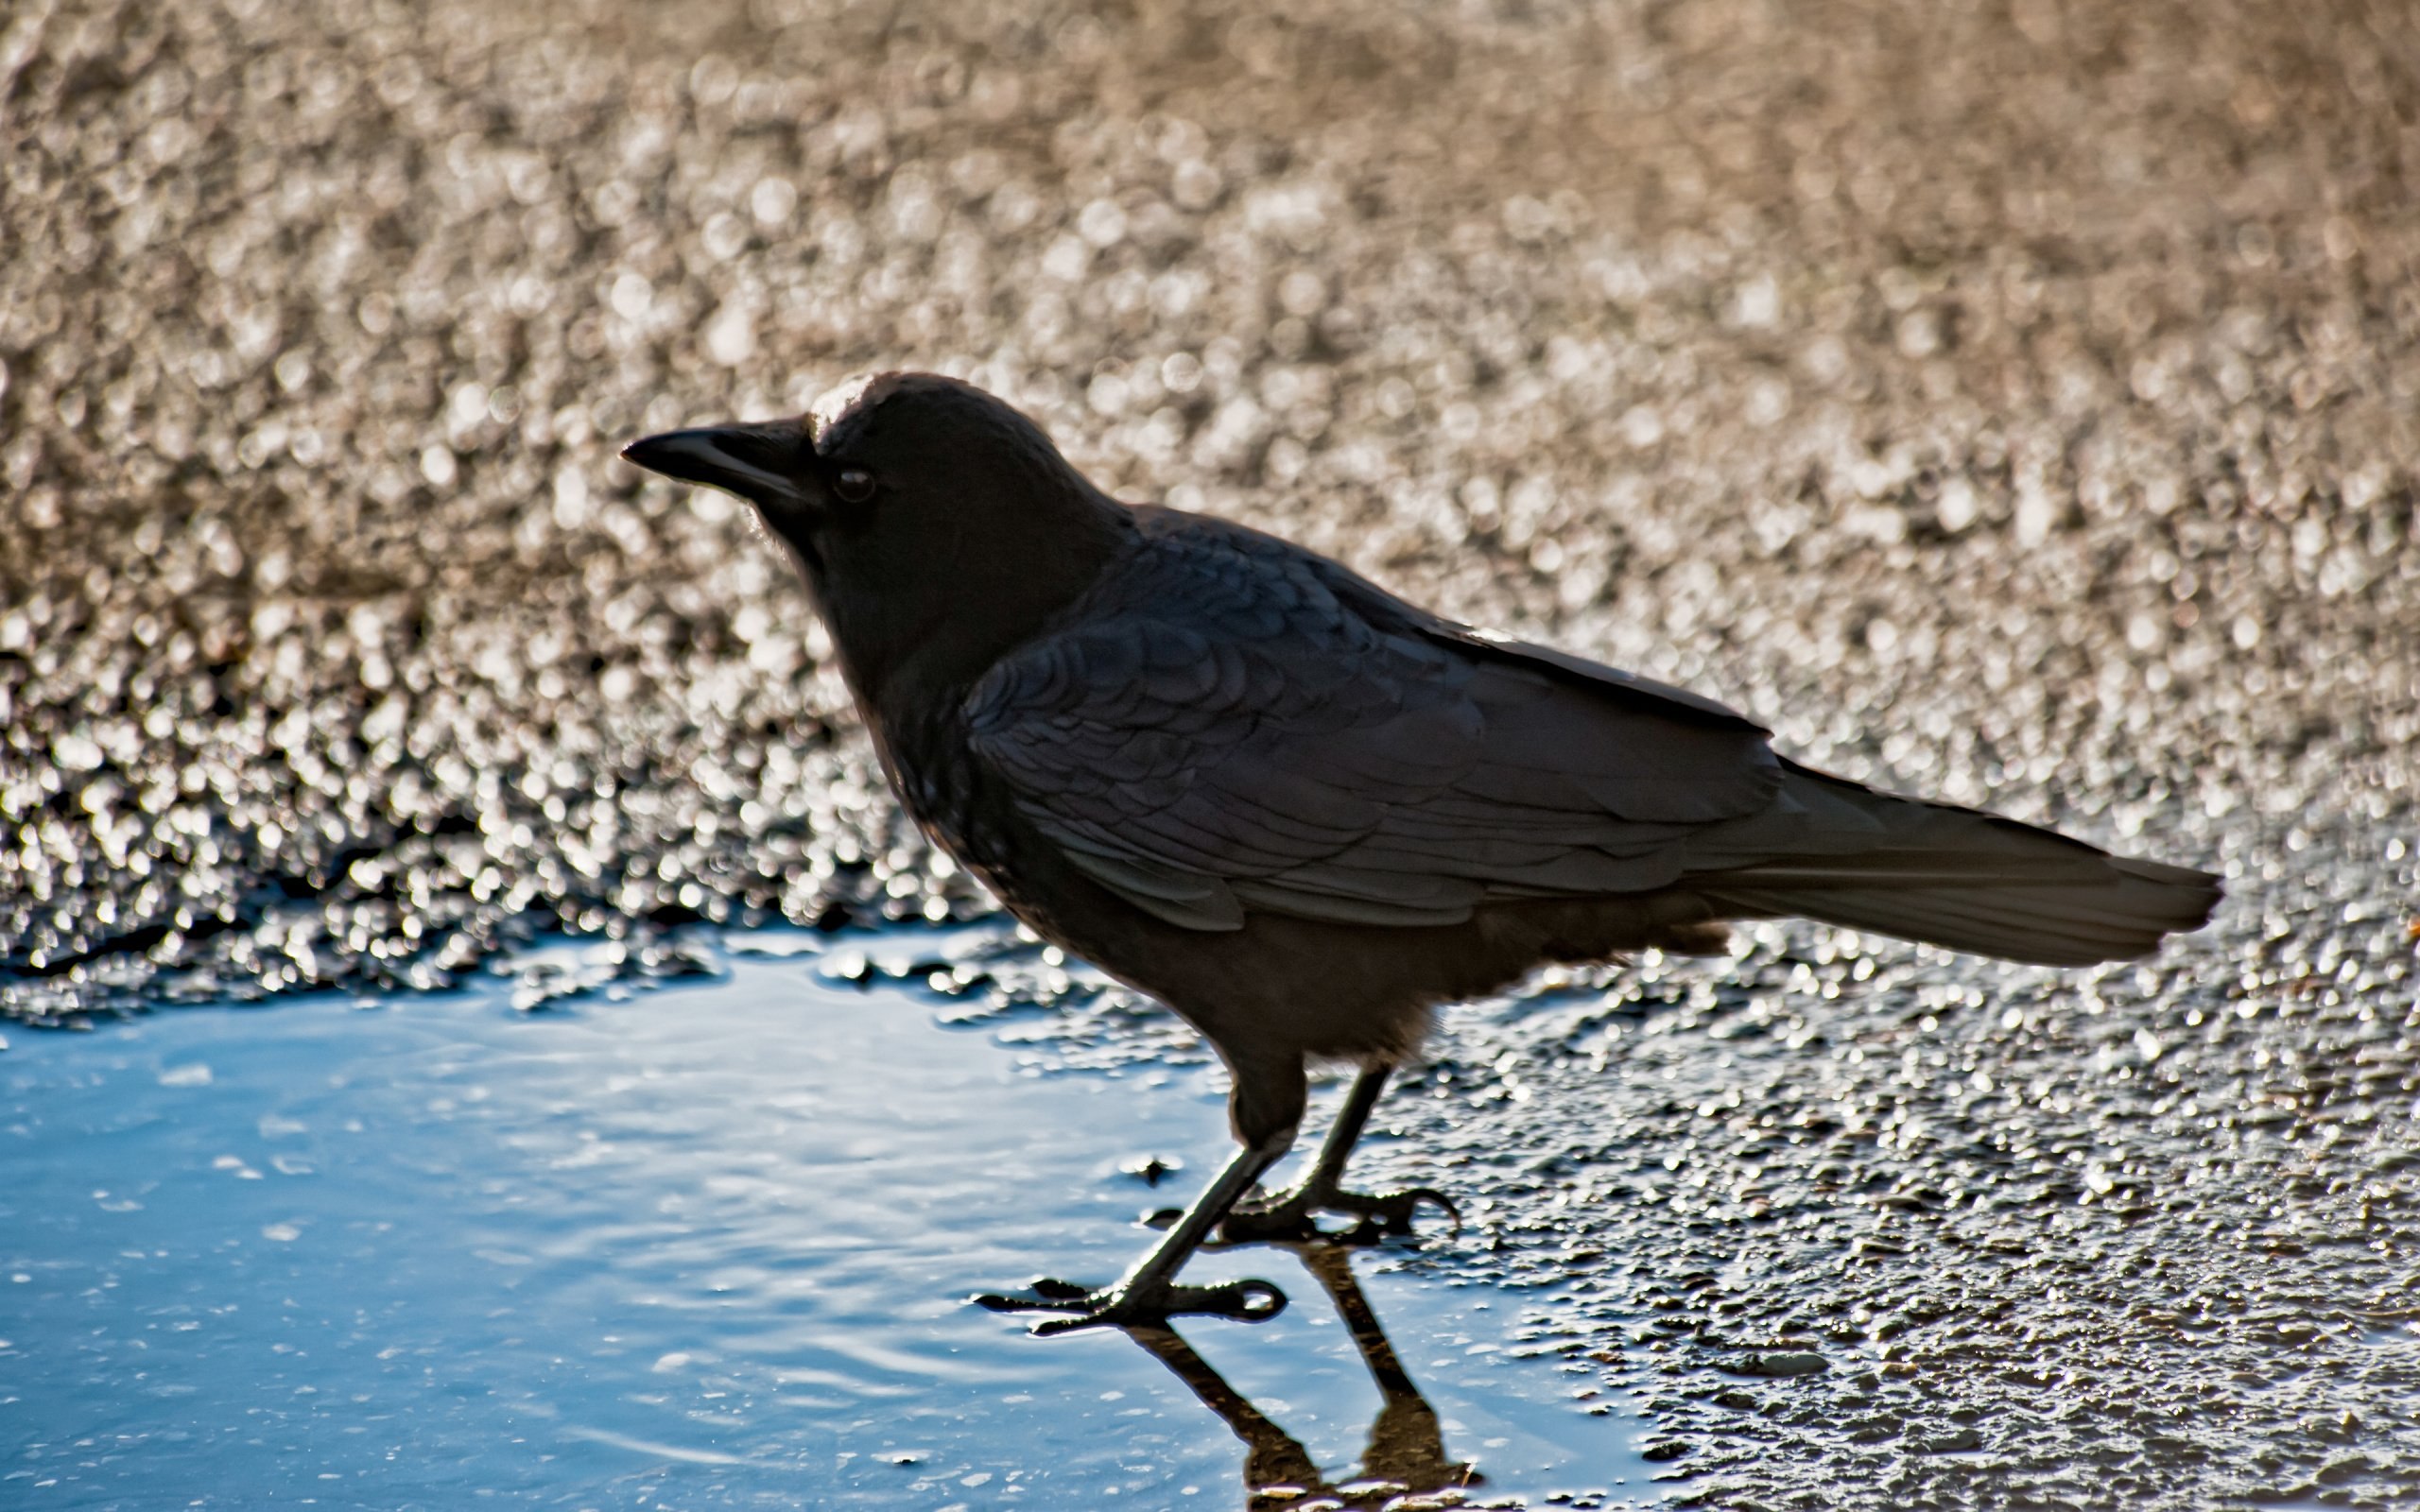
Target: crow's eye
point(853, 485)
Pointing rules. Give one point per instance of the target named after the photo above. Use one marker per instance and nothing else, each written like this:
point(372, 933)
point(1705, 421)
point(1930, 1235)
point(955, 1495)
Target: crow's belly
point(1282, 984)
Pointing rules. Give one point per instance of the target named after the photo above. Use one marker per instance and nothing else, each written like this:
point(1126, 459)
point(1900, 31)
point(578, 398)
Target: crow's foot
point(1149, 1304)
point(1289, 1216)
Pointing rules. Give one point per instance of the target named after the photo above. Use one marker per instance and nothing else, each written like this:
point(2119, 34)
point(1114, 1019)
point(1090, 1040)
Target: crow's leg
point(1287, 1214)
point(1150, 1293)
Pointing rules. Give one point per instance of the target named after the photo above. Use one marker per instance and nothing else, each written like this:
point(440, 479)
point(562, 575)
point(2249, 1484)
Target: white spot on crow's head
point(843, 413)
point(834, 405)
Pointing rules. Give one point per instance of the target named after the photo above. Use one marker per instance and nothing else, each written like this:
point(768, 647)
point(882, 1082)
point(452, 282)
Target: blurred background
point(2010, 399)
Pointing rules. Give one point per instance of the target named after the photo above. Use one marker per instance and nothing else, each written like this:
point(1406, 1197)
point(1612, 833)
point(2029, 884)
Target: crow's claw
point(1129, 1307)
point(1394, 1211)
point(1289, 1216)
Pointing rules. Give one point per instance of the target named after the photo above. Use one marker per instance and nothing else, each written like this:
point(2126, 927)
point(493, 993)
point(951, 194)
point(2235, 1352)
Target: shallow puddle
point(707, 1247)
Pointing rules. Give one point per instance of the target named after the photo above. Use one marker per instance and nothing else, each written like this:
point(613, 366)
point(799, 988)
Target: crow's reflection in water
point(1406, 1455)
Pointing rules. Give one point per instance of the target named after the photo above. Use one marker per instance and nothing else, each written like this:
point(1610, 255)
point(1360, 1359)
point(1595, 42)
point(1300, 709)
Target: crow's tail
point(1841, 853)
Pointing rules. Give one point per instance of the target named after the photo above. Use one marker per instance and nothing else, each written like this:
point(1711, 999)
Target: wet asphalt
point(2014, 403)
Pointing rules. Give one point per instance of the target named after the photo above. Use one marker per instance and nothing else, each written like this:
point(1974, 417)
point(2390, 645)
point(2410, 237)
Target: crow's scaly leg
point(1287, 1214)
point(1149, 1293)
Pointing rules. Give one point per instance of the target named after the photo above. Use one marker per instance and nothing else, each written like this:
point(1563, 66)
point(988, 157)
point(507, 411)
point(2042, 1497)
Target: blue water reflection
point(706, 1248)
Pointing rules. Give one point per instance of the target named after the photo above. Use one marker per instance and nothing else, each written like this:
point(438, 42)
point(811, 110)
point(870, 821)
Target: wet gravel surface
point(2014, 402)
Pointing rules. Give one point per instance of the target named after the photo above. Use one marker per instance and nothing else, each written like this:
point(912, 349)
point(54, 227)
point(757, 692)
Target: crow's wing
point(1228, 723)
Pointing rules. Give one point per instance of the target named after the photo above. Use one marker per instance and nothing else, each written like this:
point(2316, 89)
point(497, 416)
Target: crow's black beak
point(769, 464)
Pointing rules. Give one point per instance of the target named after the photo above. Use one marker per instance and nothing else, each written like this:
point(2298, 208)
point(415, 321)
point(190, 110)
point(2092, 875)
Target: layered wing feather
point(1228, 723)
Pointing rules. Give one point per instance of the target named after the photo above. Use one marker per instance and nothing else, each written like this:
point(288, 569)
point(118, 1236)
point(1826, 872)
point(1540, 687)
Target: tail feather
point(1839, 853)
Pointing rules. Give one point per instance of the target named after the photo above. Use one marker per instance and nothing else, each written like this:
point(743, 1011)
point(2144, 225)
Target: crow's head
point(936, 524)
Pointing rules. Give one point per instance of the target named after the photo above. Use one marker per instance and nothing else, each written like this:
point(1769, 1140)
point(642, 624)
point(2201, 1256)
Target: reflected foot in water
point(1136, 1304)
point(1406, 1455)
